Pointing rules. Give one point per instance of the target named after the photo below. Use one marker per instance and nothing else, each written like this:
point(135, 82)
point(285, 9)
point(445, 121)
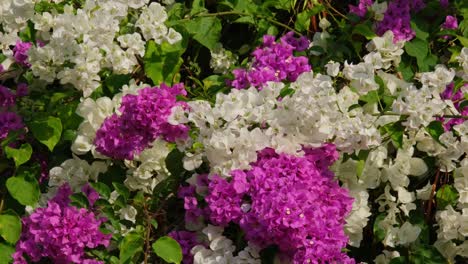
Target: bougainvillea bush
point(233, 131)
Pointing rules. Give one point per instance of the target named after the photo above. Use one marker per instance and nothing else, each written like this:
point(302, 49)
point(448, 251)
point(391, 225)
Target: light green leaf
point(47, 130)
point(168, 249)
point(10, 228)
point(205, 30)
point(463, 41)
point(5, 253)
point(24, 188)
point(198, 6)
point(21, 155)
point(447, 195)
point(131, 245)
point(162, 62)
point(302, 21)
point(417, 48)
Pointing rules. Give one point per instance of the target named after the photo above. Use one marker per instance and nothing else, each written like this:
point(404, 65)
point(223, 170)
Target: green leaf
point(115, 81)
point(417, 48)
point(24, 188)
point(168, 249)
point(379, 233)
point(420, 33)
point(463, 41)
point(162, 62)
point(302, 21)
point(47, 130)
point(121, 189)
point(425, 254)
point(435, 129)
point(131, 245)
point(446, 195)
point(365, 30)
point(10, 228)
point(21, 155)
point(398, 260)
point(395, 131)
point(205, 30)
point(174, 162)
point(101, 188)
point(426, 63)
point(198, 6)
point(79, 200)
point(5, 253)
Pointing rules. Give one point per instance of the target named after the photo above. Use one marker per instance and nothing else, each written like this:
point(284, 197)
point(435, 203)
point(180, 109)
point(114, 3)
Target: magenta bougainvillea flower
point(60, 233)
point(144, 118)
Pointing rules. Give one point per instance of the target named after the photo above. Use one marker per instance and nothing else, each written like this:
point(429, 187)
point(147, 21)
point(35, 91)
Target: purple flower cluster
point(456, 97)
point(9, 120)
point(187, 241)
point(60, 233)
point(292, 202)
point(397, 19)
point(274, 61)
point(361, 9)
point(144, 118)
point(20, 53)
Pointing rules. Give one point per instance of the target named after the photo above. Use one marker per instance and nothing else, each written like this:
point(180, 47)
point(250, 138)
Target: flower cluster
point(397, 18)
point(60, 232)
point(10, 120)
point(292, 202)
point(20, 53)
point(142, 119)
point(274, 62)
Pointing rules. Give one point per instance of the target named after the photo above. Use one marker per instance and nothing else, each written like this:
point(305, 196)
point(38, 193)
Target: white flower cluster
point(245, 121)
point(74, 172)
point(222, 60)
point(74, 46)
point(14, 16)
point(148, 168)
point(463, 60)
point(221, 250)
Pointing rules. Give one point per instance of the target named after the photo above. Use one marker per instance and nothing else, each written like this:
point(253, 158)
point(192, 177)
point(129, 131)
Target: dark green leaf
point(435, 129)
point(121, 189)
point(80, 200)
point(47, 131)
point(364, 30)
point(205, 30)
point(424, 254)
point(101, 188)
point(168, 249)
point(420, 33)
